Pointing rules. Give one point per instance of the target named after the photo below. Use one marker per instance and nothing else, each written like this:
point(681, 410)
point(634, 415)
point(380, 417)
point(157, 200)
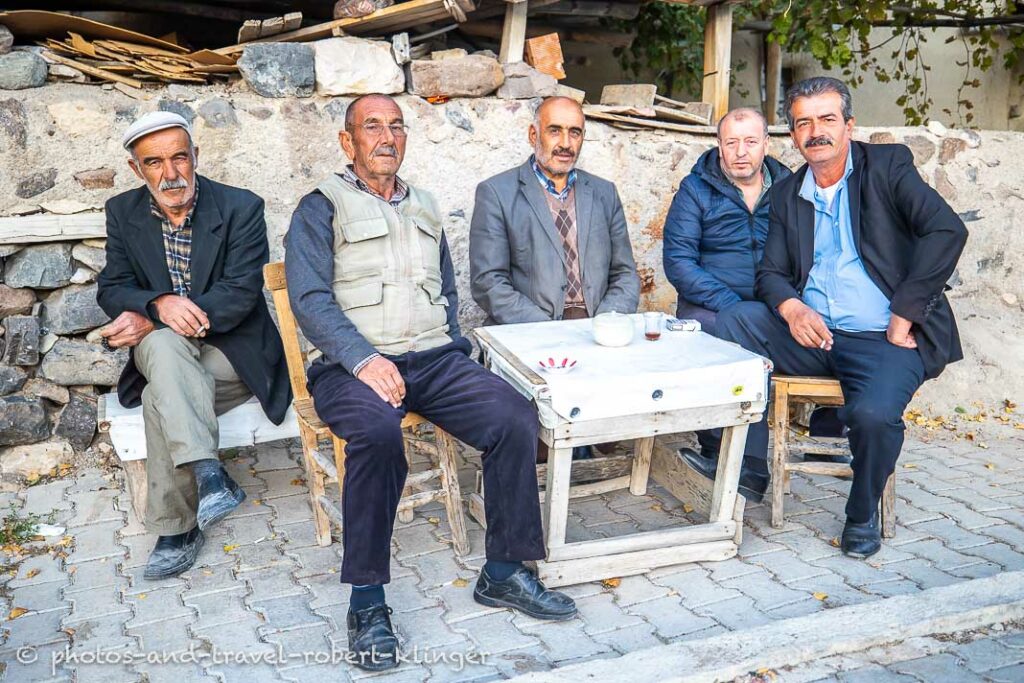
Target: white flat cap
point(151, 123)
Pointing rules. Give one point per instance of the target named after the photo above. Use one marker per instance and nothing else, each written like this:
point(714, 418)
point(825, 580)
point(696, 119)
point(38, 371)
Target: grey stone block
point(72, 362)
point(20, 70)
point(21, 340)
point(23, 420)
point(72, 310)
point(279, 69)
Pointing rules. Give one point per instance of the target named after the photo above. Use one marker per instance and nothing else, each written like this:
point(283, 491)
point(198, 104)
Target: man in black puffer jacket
point(714, 238)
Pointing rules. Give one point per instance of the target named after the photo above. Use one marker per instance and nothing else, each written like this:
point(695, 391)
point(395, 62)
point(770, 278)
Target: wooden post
point(513, 34)
point(717, 56)
point(773, 80)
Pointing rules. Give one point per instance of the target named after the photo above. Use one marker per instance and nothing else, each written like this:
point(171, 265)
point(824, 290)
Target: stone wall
point(61, 142)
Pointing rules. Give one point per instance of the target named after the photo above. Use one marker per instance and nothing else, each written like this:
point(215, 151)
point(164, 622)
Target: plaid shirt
point(397, 197)
point(178, 245)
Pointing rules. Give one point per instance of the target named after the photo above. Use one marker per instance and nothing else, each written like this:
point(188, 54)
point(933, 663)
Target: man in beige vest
point(372, 285)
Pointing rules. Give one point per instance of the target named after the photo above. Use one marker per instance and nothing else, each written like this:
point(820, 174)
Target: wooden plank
point(41, 24)
point(727, 478)
point(136, 478)
point(773, 81)
point(389, 16)
point(52, 227)
point(889, 507)
point(694, 112)
point(629, 95)
point(649, 123)
point(448, 467)
point(780, 452)
point(418, 499)
point(485, 338)
point(271, 27)
point(93, 71)
point(641, 466)
point(595, 488)
point(292, 21)
point(687, 485)
point(594, 469)
point(249, 30)
point(831, 469)
point(717, 56)
point(556, 502)
point(648, 540)
point(628, 427)
point(592, 8)
point(571, 572)
point(513, 33)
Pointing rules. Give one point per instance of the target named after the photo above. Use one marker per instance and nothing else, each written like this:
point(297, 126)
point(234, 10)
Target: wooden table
point(577, 562)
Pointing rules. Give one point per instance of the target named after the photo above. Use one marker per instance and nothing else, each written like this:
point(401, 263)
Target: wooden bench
point(818, 391)
point(321, 471)
point(244, 425)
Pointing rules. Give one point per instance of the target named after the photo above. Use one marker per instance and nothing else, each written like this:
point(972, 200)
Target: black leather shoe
point(218, 496)
point(582, 453)
point(862, 540)
point(752, 485)
point(174, 554)
point(524, 592)
point(371, 638)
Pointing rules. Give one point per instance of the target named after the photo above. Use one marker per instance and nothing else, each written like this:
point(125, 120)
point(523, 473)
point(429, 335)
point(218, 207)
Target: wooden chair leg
point(642, 451)
point(406, 515)
point(315, 478)
point(446, 460)
point(889, 507)
point(780, 453)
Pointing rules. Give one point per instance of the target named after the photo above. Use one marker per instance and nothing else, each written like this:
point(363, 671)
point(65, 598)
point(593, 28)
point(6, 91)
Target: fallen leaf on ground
point(834, 542)
point(989, 466)
point(909, 465)
point(141, 596)
point(434, 520)
point(229, 548)
point(298, 481)
point(611, 583)
point(31, 573)
point(16, 612)
point(460, 583)
point(821, 596)
point(687, 508)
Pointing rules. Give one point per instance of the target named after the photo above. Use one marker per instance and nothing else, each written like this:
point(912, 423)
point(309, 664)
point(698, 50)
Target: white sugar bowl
point(612, 329)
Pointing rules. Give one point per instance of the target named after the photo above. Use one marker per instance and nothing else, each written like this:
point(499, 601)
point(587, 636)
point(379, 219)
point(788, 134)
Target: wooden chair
point(818, 391)
point(320, 471)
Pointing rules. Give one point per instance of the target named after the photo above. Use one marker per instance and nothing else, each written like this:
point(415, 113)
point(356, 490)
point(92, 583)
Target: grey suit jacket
point(516, 257)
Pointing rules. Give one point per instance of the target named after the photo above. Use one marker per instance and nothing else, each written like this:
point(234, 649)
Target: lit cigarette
point(822, 345)
point(202, 328)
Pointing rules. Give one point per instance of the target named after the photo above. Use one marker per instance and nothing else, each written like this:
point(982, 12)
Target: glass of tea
point(652, 325)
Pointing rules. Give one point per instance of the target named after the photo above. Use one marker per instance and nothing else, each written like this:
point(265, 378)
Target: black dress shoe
point(752, 485)
point(523, 591)
point(371, 638)
point(174, 554)
point(582, 453)
point(862, 540)
point(218, 496)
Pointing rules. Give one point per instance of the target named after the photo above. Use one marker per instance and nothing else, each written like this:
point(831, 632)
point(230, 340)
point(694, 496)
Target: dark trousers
point(464, 399)
point(878, 380)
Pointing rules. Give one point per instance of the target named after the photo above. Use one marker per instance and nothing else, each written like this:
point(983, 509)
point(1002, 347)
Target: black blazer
point(908, 238)
point(229, 248)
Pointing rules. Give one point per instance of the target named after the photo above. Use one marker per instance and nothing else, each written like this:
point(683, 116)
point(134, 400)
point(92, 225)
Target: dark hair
point(818, 85)
point(738, 115)
point(351, 108)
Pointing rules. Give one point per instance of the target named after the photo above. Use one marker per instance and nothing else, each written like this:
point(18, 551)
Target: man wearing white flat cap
point(183, 284)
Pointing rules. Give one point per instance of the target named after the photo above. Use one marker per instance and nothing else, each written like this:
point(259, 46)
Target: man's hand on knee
point(127, 329)
point(807, 327)
point(181, 315)
point(383, 377)
point(899, 333)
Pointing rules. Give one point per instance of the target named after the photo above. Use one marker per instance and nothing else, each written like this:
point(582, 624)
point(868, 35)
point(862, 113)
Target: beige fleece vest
point(387, 267)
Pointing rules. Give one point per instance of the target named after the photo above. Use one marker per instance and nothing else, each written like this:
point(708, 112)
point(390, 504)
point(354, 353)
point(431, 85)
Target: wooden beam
point(773, 80)
point(717, 59)
point(492, 29)
point(52, 227)
point(592, 8)
point(513, 33)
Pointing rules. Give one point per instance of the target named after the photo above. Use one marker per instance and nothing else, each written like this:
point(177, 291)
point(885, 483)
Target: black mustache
point(819, 141)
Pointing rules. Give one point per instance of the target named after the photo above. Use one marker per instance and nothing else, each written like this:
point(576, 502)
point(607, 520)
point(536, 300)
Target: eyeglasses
point(399, 130)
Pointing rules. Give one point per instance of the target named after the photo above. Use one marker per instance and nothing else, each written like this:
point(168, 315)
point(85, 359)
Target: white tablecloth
point(680, 370)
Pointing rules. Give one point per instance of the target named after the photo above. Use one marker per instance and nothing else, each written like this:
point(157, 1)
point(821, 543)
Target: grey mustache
point(179, 184)
point(819, 141)
point(385, 150)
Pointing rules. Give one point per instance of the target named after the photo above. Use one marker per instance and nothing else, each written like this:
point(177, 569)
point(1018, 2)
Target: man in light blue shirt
point(838, 286)
point(858, 252)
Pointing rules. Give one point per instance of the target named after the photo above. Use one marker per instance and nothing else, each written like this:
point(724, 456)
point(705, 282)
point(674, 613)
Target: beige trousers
point(190, 383)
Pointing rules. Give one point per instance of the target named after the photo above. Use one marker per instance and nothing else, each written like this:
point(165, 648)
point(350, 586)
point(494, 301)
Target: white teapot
point(612, 329)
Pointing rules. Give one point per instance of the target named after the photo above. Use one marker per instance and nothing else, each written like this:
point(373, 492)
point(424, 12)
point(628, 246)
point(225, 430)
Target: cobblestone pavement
point(262, 589)
point(990, 655)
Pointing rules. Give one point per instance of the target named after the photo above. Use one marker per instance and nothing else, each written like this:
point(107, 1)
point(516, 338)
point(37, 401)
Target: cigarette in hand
point(202, 328)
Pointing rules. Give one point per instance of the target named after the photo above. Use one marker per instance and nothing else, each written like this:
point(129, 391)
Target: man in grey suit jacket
point(548, 241)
